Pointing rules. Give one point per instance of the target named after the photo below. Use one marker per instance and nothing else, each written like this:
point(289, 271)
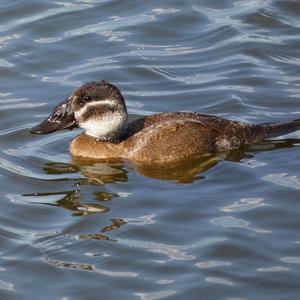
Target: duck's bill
point(62, 117)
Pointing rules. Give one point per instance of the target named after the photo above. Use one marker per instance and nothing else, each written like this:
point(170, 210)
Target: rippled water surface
point(215, 228)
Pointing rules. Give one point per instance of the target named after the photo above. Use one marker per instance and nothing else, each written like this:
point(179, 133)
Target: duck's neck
point(108, 128)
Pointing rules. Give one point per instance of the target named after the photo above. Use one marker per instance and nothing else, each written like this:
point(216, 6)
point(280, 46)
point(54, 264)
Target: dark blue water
point(223, 228)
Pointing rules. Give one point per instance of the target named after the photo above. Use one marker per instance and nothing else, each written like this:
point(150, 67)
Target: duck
point(99, 108)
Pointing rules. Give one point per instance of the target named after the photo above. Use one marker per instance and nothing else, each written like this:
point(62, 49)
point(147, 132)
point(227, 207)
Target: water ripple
point(155, 295)
point(232, 222)
point(219, 280)
point(244, 204)
point(273, 269)
point(174, 252)
point(291, 259)
point(283, 179)
point(212, 264)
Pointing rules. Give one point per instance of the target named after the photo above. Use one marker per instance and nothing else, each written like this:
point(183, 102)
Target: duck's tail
point(277, 129)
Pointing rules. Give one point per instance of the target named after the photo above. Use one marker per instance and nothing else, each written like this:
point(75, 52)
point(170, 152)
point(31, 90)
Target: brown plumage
point(100, 109)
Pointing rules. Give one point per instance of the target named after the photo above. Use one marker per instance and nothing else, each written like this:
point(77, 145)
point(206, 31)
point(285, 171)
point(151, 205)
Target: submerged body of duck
point(99, 108)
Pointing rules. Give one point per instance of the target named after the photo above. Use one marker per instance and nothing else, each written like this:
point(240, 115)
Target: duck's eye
point(87, 98)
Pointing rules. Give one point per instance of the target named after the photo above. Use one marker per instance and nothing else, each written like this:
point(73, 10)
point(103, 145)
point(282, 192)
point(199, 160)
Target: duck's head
point(97, 107)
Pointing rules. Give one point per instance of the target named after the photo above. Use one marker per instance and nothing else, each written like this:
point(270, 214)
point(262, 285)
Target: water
point(219, 228)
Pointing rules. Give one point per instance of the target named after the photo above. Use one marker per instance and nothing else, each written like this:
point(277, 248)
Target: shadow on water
point(103, 172)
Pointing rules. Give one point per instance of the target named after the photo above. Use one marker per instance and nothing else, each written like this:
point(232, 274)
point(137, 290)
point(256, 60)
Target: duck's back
point(173, 136)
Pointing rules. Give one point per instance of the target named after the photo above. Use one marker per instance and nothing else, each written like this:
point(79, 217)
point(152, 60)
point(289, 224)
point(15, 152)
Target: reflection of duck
point(99, 108)
point(70, 201)
point(183, 171)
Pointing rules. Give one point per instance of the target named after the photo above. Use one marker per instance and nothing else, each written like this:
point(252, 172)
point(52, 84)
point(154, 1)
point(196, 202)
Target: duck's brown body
point(99, 108)
point(169, 137)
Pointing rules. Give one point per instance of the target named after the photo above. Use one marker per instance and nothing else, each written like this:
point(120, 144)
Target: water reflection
point(71, 201)
point(116, 224)
point(89, 267)
point(104, 172)
point(185, 171)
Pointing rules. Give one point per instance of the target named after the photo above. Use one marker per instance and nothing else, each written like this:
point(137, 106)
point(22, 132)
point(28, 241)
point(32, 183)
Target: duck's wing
point(169, 137)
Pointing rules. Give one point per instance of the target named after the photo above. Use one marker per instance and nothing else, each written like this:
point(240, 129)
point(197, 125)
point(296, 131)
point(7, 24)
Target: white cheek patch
point(104, 126)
